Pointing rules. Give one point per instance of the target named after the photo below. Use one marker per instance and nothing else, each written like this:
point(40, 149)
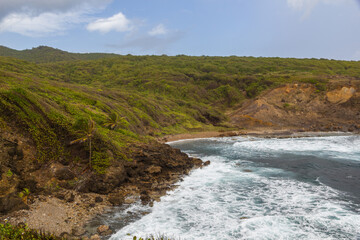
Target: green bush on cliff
point(10, 232)
point(100, 162)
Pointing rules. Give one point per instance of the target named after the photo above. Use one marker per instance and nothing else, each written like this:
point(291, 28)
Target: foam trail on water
point(235, 198)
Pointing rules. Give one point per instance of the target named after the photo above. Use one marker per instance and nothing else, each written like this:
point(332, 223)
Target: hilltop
point(43, 54)
point(48, 97)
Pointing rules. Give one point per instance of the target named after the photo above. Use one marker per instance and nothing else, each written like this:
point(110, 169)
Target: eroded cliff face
point(304, 107)
point(16, 160)
point(151, 170)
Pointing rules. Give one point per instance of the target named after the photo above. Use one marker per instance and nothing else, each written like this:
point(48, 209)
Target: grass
point(22, 232)
point(152, 95)
point(10, 232)
point(43, 54)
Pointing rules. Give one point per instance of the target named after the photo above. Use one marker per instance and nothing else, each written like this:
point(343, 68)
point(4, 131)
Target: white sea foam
point(333, 147)
point(222, 201)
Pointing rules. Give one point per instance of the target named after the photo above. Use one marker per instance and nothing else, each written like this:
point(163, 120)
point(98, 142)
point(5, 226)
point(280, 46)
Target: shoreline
point(71, 217)
point(307, 157)
point(156, 169)
point(264, 133)
point(255, 133)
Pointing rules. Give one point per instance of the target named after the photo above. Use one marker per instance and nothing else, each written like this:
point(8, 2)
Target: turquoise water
point(255, 188)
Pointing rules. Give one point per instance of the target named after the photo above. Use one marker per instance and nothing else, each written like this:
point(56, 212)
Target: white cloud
point(40, 6)
point(301, 4)
point(118, 23)
point(158, 30)
point(38, 25)
point(307, 6)
point(38, 18)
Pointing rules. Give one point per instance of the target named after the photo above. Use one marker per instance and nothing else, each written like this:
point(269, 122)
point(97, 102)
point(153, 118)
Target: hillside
point(134, 100)
point(43, 54)
point(302, 107)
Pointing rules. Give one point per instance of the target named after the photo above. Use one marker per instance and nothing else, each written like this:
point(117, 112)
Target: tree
point(114, 121)
point(88, 131)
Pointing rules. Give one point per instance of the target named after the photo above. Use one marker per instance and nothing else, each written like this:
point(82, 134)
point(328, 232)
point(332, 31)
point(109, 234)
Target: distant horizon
point(280, 28)
point(119, 54)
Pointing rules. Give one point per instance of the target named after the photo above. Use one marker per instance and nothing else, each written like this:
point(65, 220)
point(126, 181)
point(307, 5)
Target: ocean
point(258, 188)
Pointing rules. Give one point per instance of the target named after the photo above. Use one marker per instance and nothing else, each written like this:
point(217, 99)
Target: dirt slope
point(303, 106)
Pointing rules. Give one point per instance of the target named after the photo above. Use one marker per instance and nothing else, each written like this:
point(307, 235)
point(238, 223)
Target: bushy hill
point(152, 95)
point(52, 112)
point(43, 54)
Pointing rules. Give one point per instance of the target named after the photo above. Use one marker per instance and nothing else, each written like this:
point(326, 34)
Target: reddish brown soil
point(303, 107)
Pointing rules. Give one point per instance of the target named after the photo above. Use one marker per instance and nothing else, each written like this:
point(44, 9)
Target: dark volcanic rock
point(145, 199)
point(207, 163)
point(152, 163)
point(105, 183)
point(78, 232)
point(11, 203)
point(60, 195)
point(116, 199)
point(64, 174)
point(29, 183)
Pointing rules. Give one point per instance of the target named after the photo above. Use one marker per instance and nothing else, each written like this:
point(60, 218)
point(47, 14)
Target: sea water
point(257, 188)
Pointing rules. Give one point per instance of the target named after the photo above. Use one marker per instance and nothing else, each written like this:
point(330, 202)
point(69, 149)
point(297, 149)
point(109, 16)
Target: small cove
point(257, 188)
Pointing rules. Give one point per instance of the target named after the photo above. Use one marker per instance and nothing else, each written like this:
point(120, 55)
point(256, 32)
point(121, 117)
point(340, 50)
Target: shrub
point(100, 162)
point(10, 232)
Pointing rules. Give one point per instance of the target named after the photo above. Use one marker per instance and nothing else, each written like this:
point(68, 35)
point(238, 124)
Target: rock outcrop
point(303, 107)
point(340, 95)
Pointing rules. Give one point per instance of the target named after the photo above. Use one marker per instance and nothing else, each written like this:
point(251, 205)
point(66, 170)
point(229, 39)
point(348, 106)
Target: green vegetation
point(9, 173)
point(22, 232)
point(43, 54)
point(114, 121)
point(24, 194)
point(88, 132)
point(133, 99)
point(286, 105)
point(9, 232)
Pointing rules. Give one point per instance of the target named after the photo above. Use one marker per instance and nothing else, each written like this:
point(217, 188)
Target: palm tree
point(113, 121)
point(89, 132)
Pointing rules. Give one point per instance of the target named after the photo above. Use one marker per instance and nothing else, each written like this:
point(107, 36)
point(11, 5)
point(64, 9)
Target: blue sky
point(270, 28)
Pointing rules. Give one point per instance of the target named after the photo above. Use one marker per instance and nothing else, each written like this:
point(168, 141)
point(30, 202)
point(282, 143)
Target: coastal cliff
point(78, 136)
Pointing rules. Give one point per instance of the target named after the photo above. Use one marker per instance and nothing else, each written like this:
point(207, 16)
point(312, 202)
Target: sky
point(269, 28)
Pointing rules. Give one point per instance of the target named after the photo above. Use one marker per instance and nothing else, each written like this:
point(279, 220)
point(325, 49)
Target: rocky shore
point(76, 198)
